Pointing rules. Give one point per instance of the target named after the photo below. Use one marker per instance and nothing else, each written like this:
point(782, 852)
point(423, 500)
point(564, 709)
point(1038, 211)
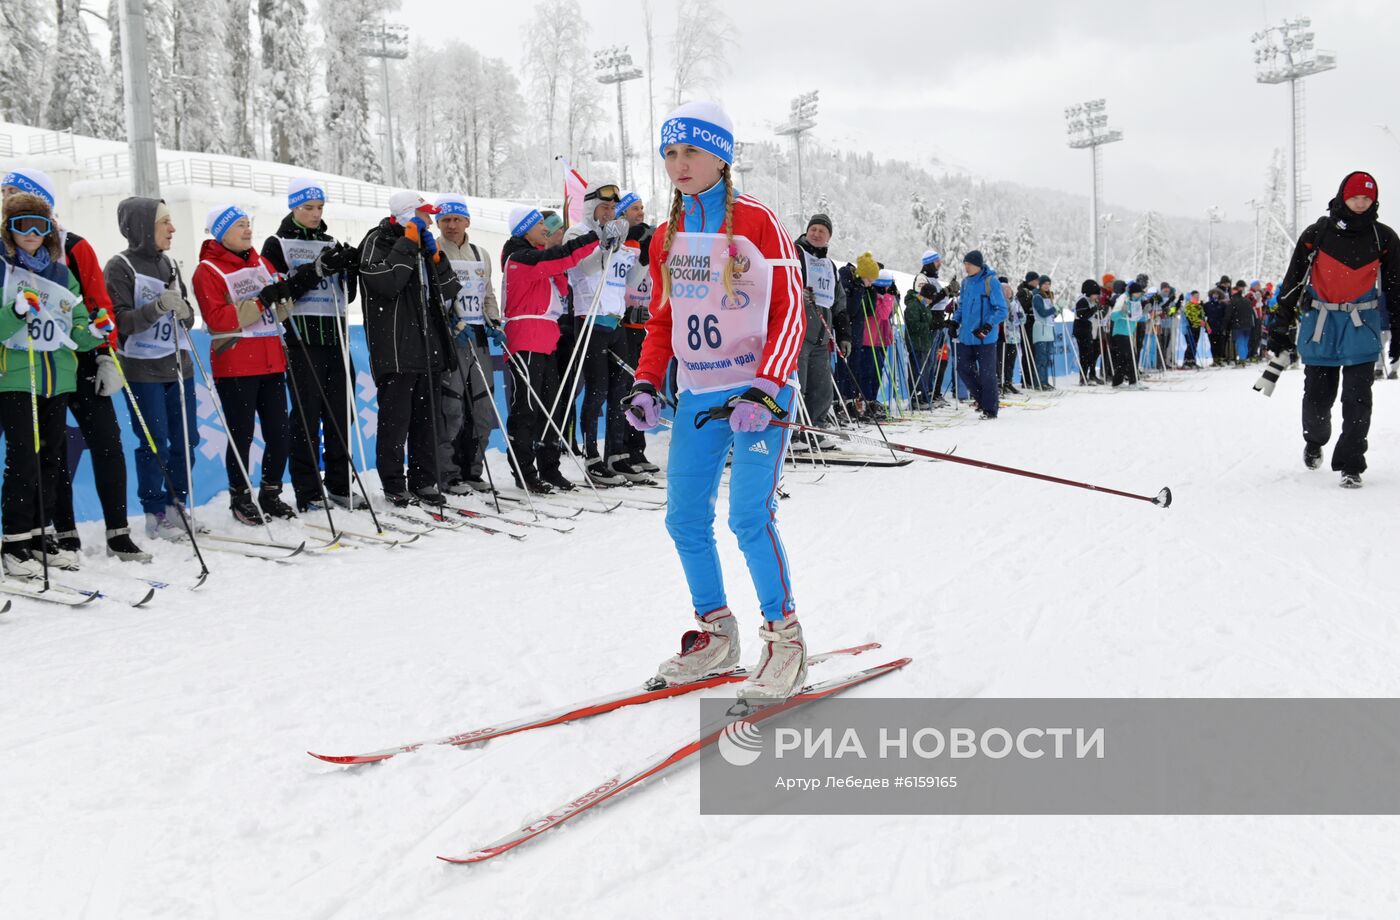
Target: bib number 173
point(707, 327)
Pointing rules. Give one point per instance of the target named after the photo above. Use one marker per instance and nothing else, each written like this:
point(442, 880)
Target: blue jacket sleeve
point(1000, 310)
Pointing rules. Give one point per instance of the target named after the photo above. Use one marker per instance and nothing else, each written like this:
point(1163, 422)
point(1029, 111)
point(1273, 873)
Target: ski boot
point(1312, 456)
point(244, 510)
point(639, 461)
point(556, 480)
point(430, 496)
point(119, 544)
point(601, 475)
point(711, 649)
point(624, 468)
point(18, 562)
point(1351, 480)
point(782, 665)
point(350, 501)
point(46, 547)
point(399, 498)
point(270, 501)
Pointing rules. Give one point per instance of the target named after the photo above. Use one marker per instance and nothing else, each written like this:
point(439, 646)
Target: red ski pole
point(1162, 499)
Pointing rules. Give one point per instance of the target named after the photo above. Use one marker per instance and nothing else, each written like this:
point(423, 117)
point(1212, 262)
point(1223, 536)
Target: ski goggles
point(609, 193)
point(30, 225)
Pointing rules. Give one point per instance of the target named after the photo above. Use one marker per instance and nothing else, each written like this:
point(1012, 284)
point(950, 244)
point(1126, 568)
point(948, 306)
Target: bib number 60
point(710, 329)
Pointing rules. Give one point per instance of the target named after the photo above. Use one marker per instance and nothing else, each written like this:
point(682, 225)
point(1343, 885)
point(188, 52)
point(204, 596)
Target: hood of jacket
point(1344, 217)
point(136, 218)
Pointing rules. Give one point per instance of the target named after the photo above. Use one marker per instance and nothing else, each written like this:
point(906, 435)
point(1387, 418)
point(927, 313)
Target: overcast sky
point(982, 86)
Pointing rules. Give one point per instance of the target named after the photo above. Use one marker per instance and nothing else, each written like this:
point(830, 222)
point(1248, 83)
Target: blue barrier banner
point(209, 478)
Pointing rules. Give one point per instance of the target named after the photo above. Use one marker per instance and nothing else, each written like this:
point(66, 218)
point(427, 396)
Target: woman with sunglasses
point(728, 308)
point(43, 323)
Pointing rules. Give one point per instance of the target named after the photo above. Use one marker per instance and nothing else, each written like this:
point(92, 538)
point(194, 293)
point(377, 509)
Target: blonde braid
point(673, 224)
point(729, 248)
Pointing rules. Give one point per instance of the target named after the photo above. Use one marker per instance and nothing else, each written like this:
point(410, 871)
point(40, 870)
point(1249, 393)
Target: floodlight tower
point(1087, 126)
point(614, 65)
point(803, 118)
point(1285, 54)
point(388, 42)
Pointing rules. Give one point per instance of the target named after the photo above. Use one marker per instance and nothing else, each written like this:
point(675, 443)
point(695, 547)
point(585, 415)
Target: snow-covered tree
point(285, 54)
point(961, 239)
point(350, 149)
point(1025, 245)
point(199, 74)
point(502, 121)
point(81, 100)
point(998, 250)
point(1276, 249)
point(26, 33)
point(935, 227)
point(700, 49)
point(243, 92)
point(1151, 247)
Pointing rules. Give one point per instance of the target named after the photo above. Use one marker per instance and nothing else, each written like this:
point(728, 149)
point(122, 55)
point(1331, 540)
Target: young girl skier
point(728, 307)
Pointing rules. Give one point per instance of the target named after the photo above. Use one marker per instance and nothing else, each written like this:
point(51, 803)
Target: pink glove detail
point(756, 407)
point(642, 408)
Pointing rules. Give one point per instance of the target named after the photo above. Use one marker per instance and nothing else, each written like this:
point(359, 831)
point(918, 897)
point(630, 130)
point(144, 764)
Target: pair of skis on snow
point(654, 766)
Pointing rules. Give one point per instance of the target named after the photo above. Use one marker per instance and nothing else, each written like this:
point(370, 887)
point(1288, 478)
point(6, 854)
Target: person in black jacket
point(409, 343)
point(321, 273)
point(1088, 320)
point(1241, 322)
point(1341, 267)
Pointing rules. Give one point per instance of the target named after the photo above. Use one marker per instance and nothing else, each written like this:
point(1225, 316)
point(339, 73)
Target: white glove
point(109, 379)
point(614, 232)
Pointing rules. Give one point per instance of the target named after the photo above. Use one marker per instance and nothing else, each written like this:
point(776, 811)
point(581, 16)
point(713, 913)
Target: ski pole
point(311, 443)
point(1162, 499)
point(210, 384)
point(164, 470)
point(38, 460)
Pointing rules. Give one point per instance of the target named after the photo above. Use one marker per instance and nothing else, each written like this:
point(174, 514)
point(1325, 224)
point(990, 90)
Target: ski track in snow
point(152, 761)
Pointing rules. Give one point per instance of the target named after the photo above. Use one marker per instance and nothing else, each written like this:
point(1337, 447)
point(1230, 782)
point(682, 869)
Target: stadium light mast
point(802, 118)
point(1213, 217)
point(614, 65)
point(1285, 54)
point(386, 41)
point(1087, 126)
point(136, 85)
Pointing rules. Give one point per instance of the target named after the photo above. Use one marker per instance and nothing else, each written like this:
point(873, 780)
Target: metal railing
point(51, 142)
point(223, 174)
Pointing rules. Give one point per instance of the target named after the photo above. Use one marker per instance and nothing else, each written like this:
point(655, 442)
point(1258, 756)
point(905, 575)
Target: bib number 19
point(710, 329)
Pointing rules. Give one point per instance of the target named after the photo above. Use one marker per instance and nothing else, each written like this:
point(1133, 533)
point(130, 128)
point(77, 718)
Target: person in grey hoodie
point(150, 299)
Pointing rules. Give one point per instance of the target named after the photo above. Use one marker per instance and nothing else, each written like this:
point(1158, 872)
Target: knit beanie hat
point(522, 219)
point(704, 125)
point(885, 278)
point(303, 189)
point(1358, 183)
point(1134, 288)
point(453, 204)
point(975, 258)
point(867, 269)
point(930, 256)
point(1032, 276)
point(220, 219)
point(928, 292)
point(821, 219)
point(33, 181)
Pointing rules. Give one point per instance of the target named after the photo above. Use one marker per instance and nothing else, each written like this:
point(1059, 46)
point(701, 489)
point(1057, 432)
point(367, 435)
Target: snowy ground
point(152, 761)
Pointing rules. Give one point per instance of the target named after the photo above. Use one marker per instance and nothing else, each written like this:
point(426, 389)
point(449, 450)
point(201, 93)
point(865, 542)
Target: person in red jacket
point(91, 402)
point(728, 308)
point(535, 287)
point(244, 308)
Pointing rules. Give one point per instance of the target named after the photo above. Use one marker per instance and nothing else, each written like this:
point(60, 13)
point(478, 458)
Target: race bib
point(245, 284)
point(821, 278)
point(471, 302)
point(160, 339)
point(49, 328)
point(324, 298)
point(614, 298)
point(717, 340)
point(639, 287)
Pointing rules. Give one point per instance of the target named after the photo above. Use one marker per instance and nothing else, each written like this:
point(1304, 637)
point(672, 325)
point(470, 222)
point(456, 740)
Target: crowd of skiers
point(570, 319)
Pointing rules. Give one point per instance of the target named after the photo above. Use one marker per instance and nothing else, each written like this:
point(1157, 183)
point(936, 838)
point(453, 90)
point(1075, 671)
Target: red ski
point(623, 781)
point(629, 697)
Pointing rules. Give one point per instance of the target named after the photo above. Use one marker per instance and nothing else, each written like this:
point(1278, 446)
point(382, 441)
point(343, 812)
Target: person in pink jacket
point(534, 288)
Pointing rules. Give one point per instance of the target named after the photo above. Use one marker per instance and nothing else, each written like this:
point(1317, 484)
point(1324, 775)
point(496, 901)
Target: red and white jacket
point(787, 322)
point(535, 287)
point(245, 357)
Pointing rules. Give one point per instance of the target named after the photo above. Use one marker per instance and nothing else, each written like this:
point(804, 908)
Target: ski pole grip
point(712, 413)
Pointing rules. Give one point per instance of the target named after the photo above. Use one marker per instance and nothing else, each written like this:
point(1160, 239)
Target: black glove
point(953, 327)
point(274, 293)
point(982, 331)
point(335, 259)
point(1280, 342)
